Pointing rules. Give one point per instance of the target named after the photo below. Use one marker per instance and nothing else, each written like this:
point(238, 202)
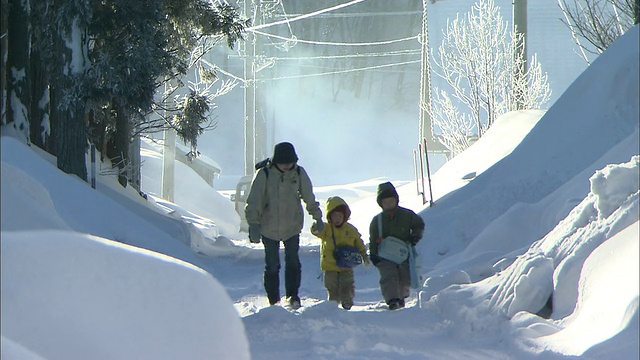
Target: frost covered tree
point(168, 32)
point(186, 97)
point(104, 60)
point(188, 112)
point(477, 60)
point(596, 24)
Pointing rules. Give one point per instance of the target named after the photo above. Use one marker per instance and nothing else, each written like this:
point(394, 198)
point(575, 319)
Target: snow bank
point(587, 266)
point(78, 207)
point(567, 246)
point(72, 296)
point(552, 154)
point(28, 203)
point(608, 297)
point(191, 192)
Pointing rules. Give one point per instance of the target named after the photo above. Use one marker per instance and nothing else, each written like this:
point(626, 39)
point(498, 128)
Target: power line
point(304, 16)
point(218, 68)
point(255, 29)
point(367, 14)
point(366, 55)
point(392, 53)
point(336, 43)
point(341, 71)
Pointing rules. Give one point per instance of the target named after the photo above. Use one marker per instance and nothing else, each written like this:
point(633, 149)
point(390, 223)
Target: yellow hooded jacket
point(345, 235)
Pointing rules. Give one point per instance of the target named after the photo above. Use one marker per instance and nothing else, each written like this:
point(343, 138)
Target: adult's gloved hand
point(317, 226)
point(254, 233)
point(314, 229)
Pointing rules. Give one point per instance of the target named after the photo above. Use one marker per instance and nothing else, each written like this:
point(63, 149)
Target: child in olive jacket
point(404, 224)
point(338, 281)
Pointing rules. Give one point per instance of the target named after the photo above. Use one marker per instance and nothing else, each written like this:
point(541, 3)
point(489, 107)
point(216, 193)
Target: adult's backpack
point(266, 163)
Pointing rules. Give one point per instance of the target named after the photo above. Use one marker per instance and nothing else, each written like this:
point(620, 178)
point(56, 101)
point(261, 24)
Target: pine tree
point(4, 30)
point(39, 106)
point(111, 84)
point(72, 44)
point(18, 94)
point(154, 41)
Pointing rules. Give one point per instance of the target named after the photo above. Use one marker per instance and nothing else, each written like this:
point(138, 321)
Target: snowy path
point(248, 294)
point(322, 330)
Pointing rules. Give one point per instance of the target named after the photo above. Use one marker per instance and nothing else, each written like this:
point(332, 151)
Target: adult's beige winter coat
point(274, 202)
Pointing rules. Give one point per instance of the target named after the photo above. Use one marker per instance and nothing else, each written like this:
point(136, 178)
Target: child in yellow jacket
point(338, 281)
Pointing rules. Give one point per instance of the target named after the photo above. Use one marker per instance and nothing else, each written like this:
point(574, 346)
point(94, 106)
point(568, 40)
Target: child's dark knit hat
point(386, 190)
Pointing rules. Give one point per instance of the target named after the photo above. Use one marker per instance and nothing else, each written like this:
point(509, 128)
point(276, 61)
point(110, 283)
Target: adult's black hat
point(284, 153)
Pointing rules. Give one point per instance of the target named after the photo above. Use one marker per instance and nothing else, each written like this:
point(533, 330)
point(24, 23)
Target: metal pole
point(415, 170)
point(168, 163)
point(426, 155)
point(168, 155)
point(249, 92)
point(424, 200)
point(520, 51)
point(424, 126)
point(259, 91)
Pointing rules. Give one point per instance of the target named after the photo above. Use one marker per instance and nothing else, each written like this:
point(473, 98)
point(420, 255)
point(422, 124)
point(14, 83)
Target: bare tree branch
point(598, 23)
point(476, 59)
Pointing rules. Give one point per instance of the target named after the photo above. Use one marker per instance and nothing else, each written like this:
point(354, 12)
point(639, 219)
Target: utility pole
point(520, 31)
point(255, 128)
point(168, 163)
point(249, 93)
point(425, 127)
point(168, 156)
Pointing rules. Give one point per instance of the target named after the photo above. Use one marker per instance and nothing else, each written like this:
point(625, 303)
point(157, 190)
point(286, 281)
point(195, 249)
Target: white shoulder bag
point(392, 248)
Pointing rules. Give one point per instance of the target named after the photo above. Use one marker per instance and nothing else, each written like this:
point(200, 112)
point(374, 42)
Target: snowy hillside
point(594, 124)
point(534, 258)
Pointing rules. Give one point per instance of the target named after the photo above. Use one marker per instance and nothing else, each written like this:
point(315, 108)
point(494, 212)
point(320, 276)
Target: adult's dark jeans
point(292, 267)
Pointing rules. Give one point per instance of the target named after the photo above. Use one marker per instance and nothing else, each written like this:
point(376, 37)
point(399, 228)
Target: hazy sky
point(324, 131)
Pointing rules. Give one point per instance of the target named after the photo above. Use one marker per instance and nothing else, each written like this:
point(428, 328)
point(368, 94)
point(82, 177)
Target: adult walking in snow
point(274, 214)
point(338, 280)
point(403, 225)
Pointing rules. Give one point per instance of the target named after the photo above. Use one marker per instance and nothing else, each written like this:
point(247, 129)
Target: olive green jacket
point(400, 222)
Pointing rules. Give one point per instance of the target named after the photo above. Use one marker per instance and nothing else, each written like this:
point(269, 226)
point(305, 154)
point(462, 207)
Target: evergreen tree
point(39, 106)
point(136, 44)
point(72, 82)
point(111, 84)
point(17, 67)
point(4, 29)
point(128, 55)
